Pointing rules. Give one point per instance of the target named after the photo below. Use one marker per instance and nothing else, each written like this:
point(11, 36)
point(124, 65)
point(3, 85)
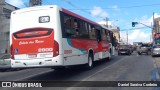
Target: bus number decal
point(45, 49)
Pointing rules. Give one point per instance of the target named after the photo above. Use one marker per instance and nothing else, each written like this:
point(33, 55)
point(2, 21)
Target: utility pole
point(127, 36)
point(153, 29)
point(35, 3)
point(107, 21)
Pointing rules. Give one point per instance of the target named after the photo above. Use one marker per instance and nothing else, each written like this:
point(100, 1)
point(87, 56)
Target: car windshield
point(123, 46)
point(5, 56)
point(158, 46)
point(145, 45)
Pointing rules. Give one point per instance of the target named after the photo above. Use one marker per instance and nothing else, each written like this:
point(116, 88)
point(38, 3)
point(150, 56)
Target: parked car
point(144, 48)
point(5, 62)
point(155, 51)
point(124, 49)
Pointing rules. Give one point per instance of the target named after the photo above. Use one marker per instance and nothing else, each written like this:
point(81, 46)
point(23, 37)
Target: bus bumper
point(43, 62)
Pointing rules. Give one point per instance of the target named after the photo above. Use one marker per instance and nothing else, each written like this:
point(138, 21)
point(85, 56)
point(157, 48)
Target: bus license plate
point(32, 55)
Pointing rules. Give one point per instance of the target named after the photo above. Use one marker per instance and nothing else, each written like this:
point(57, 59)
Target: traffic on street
point(121, 68)
point(79, 45)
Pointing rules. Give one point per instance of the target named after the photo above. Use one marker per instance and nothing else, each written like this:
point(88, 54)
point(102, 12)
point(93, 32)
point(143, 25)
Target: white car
point(5, 62)
point(155, 50)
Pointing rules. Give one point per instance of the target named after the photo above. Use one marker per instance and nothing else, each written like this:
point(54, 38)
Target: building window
point(7, 12)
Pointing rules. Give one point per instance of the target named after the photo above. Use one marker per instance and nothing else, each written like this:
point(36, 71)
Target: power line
point(133, 29)
point(77, 8)
point(136, 6)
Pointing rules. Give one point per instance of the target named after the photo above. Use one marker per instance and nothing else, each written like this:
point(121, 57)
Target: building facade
point(5, 11)
point(156, 25)
point(116, 31)
point(156, 29)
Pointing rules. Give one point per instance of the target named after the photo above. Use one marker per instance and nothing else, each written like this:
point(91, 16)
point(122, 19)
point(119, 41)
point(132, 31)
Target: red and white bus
point(50, 36)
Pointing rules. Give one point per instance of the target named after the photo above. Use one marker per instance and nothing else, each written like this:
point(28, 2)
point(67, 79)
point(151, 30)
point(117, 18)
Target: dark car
point(144, 48)
point(155, 51)
point(124, 49)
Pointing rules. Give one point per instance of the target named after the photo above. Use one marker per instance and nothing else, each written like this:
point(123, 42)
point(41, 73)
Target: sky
point(120, 13)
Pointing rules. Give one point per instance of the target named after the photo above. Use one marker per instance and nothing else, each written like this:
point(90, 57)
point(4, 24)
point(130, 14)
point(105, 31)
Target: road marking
point(137, 54)
point(104, 68)
point(73, 88)
point(33, 75)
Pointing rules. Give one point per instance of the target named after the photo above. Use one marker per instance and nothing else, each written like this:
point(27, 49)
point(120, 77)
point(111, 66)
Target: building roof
point(11, 6)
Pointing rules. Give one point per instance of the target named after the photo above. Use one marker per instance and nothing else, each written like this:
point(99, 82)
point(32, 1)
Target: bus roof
point(33, 8)
point(60, 9)
point(105, 27)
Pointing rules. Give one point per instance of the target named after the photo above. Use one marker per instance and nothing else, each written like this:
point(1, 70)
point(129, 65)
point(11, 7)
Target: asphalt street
point(120, 68)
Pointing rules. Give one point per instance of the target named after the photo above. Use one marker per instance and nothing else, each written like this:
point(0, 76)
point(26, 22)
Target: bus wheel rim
point(90, 62)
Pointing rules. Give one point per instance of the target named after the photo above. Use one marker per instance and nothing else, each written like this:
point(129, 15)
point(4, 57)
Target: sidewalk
point(157, 66)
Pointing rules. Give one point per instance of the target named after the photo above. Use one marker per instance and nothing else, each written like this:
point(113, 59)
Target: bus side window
point(103, 34)
point(108, 35)
point(76, 28)
point(67, 21)
point(68, 26)
point(99, 37)
point(92, 33)
point(84, 30)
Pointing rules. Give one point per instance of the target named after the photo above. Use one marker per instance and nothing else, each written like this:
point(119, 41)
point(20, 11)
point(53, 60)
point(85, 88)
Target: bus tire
point(89, 65)
point(108, 59)
point(59, 68)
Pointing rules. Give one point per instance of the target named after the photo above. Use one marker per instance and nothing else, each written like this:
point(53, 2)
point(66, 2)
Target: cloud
point(17, 3)
point(103, 22)
point(147, 20)
point(99, 12)
point(136, 35)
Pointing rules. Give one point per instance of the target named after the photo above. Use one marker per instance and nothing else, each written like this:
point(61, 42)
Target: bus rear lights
point(57, 52)
point(34, 33)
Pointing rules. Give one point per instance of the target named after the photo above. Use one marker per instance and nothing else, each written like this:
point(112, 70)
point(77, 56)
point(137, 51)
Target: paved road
point(121, 68)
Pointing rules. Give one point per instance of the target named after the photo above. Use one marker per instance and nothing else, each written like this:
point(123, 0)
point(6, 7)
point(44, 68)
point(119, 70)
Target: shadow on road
point(70, 73)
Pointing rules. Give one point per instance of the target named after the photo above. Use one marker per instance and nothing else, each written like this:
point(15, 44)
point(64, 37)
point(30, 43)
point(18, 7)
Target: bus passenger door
point(98, 36)
point(99, 40)
point(103, 45)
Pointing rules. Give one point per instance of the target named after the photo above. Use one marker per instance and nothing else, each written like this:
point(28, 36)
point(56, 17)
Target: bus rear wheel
point(89, 65)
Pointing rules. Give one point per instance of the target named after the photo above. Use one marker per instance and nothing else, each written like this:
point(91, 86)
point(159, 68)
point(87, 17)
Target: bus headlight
point(44, 19)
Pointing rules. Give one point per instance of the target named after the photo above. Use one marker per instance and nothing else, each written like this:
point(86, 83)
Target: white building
point(5, 11)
